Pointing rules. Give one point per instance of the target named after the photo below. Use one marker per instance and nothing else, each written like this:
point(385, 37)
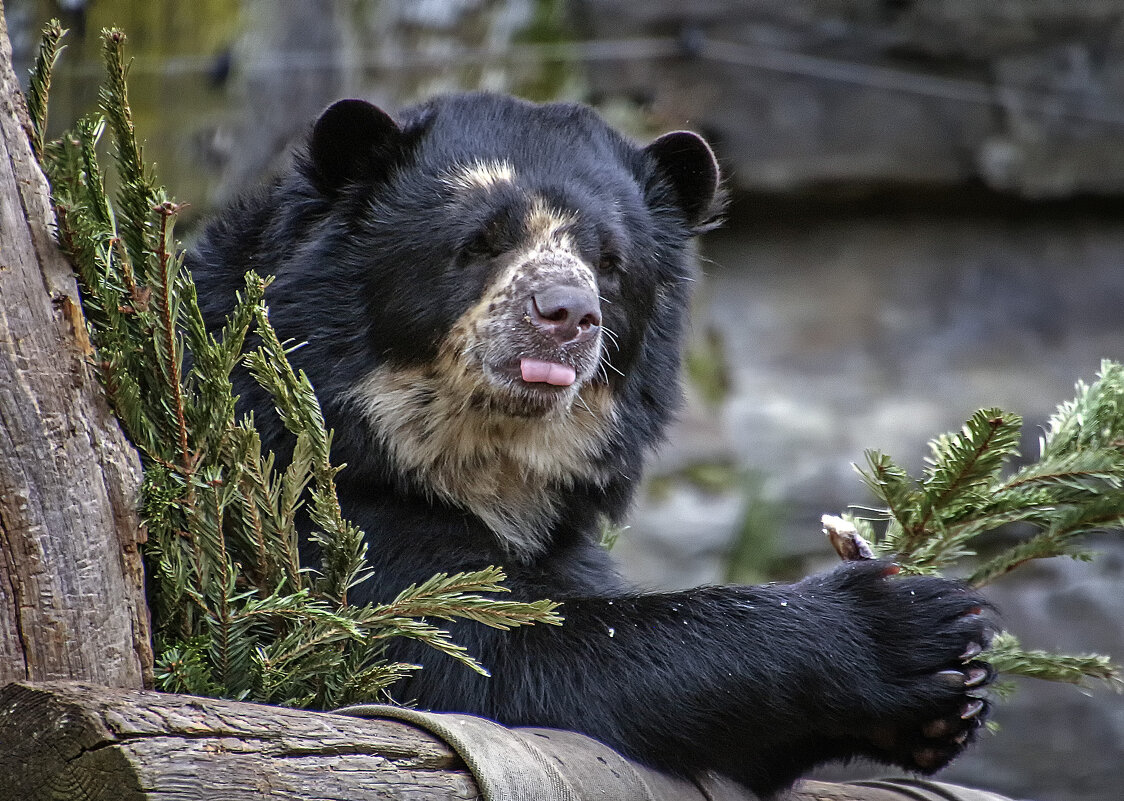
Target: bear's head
point(497, 289)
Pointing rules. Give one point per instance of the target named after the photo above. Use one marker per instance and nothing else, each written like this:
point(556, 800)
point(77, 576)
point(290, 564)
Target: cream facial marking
point(546, 227)
point(481, 175)
point(501, 468)
point(470, 431)
point(499, 323)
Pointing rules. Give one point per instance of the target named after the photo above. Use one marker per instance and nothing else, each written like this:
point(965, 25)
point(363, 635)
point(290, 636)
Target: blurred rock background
point(927, 218)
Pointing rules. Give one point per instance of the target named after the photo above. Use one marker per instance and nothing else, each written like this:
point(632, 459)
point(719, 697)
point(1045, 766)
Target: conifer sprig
point(1007, 656)
point(341, 545)
point(48, 54)
point(235, 614)
point(1074, 488)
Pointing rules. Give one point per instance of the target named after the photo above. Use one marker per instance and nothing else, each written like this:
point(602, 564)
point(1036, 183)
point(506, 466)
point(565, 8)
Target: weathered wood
point(71, 580)
point(81, 742)
point(64, 740)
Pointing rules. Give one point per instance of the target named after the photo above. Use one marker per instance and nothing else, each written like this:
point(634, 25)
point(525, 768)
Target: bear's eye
point(609, 263)
point(492, 239)
point(609, 271)
point(609, 259)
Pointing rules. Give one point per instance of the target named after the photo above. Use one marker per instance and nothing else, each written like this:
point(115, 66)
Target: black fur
point(379, 257)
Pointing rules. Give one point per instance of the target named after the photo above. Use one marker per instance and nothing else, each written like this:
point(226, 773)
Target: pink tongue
point(536, 372)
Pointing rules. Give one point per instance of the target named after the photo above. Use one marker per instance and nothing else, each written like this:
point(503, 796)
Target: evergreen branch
point(432, 636)
point(447, 597)
point(169, 349)
point(342, 546)
point(90, 130)
point(1075, 487)
point(255, 519)
point(364, 682)
point(450, 596)
point(39, 84)
point(1082, 472)
point(76, 183)
point(126, 396)
point(212, 417)
point(1066, 525)
point(290, 489)
point(893, 485)
point(1041, 546)
point(1008, 657)
point(184, 668)
point(963, 463)
point(137, 195)
point(1094, 419)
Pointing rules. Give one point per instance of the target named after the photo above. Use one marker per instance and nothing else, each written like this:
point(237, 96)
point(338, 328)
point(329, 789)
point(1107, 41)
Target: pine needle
point(1007, 656)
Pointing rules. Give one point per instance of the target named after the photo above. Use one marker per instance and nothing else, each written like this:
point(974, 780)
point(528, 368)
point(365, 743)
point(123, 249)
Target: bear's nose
point(567, 314)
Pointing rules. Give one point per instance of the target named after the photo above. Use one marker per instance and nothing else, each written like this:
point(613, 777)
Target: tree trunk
point(71, 577)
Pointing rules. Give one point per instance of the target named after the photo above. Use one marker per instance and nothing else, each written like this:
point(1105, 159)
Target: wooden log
point(71, 576)
point(82, 742)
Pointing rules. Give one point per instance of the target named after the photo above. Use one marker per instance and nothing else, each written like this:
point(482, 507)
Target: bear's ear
point(688, 163)
point(353, 140)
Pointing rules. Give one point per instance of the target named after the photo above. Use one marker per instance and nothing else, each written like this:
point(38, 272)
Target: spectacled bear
point(493, 295)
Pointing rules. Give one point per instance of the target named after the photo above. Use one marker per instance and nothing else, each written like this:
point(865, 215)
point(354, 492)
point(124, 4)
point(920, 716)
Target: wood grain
point(71, 575)
point(82, 742)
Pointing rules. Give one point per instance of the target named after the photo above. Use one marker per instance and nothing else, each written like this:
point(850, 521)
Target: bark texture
point(80, 742)
point(71, 576)
point(86, 743)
